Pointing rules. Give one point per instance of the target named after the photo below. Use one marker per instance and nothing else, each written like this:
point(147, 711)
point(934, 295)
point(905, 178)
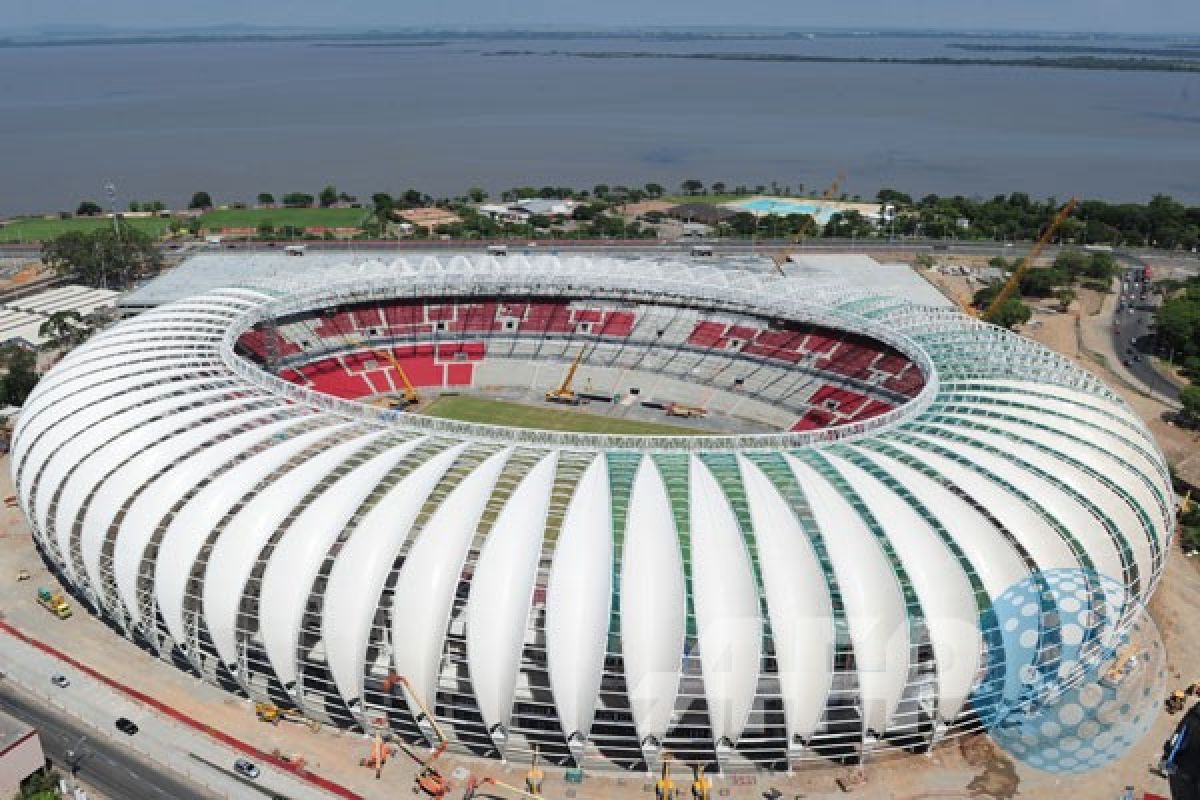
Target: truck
point(54, 602)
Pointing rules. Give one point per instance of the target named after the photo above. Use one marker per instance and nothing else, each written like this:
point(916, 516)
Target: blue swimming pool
point(766, 205)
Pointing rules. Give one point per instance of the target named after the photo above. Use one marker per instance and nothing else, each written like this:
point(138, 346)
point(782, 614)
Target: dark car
point(126, 726)
point(245, 768)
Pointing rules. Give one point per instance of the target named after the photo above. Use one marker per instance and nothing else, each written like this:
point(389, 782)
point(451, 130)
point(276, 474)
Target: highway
point(104, 765)
point(1133, 335)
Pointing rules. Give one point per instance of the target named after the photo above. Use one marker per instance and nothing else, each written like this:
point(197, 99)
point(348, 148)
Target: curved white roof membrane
point(595, 597)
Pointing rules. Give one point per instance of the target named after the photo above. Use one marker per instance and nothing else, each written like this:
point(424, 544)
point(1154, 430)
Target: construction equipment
point(664, 787)
point(1014, 281)
point(564, 393)
point(429, 779)
point(409, 393)
point(1177, 699)
point(535, 776)
point(686, 411)
point(1125, 662)
point(1185, 504)
point(271, 713)
point(392, 681)
point(832, 191)
point(54, 602)
point(475, 784)
point(379, 756)
point(701, 785)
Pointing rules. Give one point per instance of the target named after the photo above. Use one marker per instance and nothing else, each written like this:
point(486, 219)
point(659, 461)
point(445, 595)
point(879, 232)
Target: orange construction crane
point(1014, 281)
point(378, 757)
point(831, 192)
point(392, 681)
point(428, 779)
point(410, 392)
point(564, 393)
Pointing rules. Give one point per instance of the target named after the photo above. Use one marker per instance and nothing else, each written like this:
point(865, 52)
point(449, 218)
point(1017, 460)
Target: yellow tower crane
point(1014, 281)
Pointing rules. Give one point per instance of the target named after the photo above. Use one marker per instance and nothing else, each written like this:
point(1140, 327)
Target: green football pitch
point(469, 408)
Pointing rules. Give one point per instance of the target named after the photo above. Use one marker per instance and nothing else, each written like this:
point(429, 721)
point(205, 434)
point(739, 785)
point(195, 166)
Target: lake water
point(162, 121)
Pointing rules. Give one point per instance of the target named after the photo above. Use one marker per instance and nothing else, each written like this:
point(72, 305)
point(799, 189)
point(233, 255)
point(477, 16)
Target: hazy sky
point(1134, 16)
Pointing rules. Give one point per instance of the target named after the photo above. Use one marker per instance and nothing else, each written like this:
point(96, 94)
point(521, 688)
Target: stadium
point(771, 527)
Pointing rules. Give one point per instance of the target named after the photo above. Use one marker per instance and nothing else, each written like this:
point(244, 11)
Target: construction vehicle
point(535, 776)
point(271, 713)
point(428, 779)
point(686, 411)
point(1125, 662)
point(701, 785)
point(409, 392)
point(54, 602)
point(564, 393)
point(379, 756)
point(1185, 503)
point(475, 784)
point(1014, 281)
point(664, 787)
point(1177, 699)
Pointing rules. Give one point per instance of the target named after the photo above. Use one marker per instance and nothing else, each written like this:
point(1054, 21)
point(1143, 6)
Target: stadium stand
point(819, 376)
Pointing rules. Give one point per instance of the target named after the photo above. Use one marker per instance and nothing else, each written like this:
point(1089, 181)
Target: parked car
point(245, 768)
point(126, 726)
point(60, 680)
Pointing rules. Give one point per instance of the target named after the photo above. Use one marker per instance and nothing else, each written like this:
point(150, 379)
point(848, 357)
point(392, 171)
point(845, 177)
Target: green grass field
point(469, 408)
point(297, 217)
point(37, 229)
point(708, 199)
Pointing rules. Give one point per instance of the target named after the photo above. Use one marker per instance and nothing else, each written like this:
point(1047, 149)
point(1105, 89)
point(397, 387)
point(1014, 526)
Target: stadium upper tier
point(757, 598)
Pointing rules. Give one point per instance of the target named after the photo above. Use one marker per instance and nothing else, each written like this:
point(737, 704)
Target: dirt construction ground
point(971, 768)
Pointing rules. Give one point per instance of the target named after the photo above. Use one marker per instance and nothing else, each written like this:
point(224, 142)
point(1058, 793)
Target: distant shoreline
point(1072, 62)
point(1054, 41)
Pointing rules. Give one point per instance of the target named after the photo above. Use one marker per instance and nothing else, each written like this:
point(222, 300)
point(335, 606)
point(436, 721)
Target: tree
point(298, 200)
point(718, 188)
point(1011, 312)
point(654, 189)
point(892, 197)
point(20, 375)
point(201, 201)
point(64, 330)
point(266, 199)
point(135, 206)
point(1189, 397)
point(600, 190)
point(102, 258)
point(476, 194)
point(692, 186)
point(88, 209)
point(1065, 298)
point(328, 196)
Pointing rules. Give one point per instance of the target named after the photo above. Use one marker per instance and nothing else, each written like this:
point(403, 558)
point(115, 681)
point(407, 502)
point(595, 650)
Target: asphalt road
point(106, 766)
point(1133, 336)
